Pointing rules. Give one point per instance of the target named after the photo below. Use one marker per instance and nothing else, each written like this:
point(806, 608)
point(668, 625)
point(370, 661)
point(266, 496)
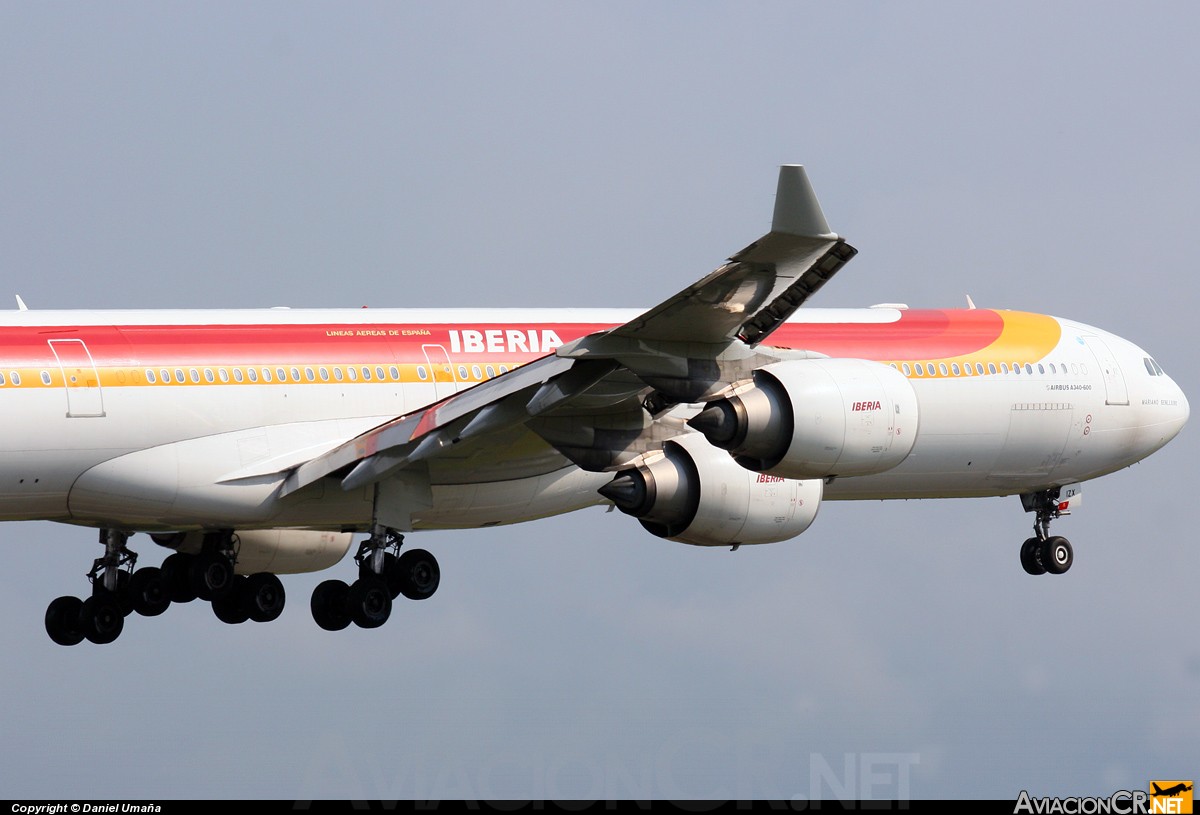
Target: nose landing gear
point(1043, 553)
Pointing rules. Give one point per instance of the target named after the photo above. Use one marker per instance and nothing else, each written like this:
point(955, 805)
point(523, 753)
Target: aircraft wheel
point(418, 574)
point(62, 621)
point(369, 602)
point(122, 595)
point(148, 592)
point(101, 619)
point(230, 609)
point(1031, 556)
point(391, 574)
point(210, 575)
point(263, 596)
point(175, 577)
point(329, 605)
point(1057, 555)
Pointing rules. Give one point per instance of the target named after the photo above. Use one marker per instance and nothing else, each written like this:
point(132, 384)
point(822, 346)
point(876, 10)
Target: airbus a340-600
point(254, 443)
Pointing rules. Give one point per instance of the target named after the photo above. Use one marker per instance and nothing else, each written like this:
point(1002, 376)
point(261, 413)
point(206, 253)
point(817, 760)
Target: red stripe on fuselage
point(925, 334)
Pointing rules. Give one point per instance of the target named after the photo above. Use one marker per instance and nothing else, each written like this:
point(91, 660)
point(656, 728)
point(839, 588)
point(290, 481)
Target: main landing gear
point(383, 575)
point(118, 589)
point(1043, 553)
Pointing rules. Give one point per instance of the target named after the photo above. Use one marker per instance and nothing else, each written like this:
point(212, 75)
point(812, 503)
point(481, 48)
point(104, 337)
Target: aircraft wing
point(605, 399)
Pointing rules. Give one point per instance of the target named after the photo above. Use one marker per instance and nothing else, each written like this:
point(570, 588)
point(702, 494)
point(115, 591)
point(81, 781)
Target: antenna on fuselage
point(21, 304)
point(970, 303)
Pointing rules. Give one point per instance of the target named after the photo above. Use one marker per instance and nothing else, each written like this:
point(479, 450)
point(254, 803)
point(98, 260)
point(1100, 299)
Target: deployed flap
point(762, 285)
point(391, 445)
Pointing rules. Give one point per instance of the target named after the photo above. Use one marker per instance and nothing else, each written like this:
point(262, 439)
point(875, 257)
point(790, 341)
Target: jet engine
point(694, 493)
point(816, 418)
point(281, 551)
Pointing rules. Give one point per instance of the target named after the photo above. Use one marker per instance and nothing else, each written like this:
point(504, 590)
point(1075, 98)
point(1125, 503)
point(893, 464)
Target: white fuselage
point(94, 435)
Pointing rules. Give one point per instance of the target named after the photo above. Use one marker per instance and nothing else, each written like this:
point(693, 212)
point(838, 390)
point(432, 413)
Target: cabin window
point(1017, 368)
point(324, 372)
point(237, 374)
point(252, 373)
point(366, 373)
point(992, 368)
point(208, 375)
point(309, 375)
point(476, 373)
point(492, 371)
point(150, 376)
point(1041, 368)
point(1074, 369)
point(1003, 367)
point(223, 374)
point(1028, 369)
point(503, 369)
point(295, 374)
point(943, 369)
point(281, 374)
point(462, 372)
point(954, 368)
point(352, 373)
point(266, 374)
point(1083, 368)
point(337, 374)
point(45, 377)
point(195, 375)
point(422, 374)
point(395, 372)
point(907, 370)
point(1053, 370)
point(15, 377)
point(2, 382)
point(379, 373)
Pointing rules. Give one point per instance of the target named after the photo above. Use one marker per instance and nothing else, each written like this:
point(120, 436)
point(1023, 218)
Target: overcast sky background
point(1037, 156)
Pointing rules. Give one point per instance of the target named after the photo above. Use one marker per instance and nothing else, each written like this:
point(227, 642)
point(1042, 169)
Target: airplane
point(257, 442)
point(1170, 791)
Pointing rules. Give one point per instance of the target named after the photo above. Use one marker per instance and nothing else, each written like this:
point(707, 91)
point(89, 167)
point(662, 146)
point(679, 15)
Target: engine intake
point(696, 494)
point(816, 418)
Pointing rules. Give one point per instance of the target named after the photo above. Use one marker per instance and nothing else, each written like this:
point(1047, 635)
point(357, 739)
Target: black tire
point(263, 597)
point(62, 620)
point(417, 574)
point(122, 593)
point(175, 577)
point(329, 605)
point(210, 575)
point(369, 602)
point(148, 592)
point(101, 619)
point(231, 609)
point(1031, 556)
point(391, 573)
point(1057, 555)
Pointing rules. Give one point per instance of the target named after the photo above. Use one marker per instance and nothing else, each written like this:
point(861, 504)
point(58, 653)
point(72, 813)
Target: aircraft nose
point(1182, 410)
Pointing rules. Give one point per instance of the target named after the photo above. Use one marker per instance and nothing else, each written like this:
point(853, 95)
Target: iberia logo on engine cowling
point(1173, 797)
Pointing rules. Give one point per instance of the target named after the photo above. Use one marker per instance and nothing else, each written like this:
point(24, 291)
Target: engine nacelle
point(282, 551)
point(696, 494)
point(816, 418)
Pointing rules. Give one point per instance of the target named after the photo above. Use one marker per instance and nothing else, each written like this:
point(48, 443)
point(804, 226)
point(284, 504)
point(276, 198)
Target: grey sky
point(1035, 156)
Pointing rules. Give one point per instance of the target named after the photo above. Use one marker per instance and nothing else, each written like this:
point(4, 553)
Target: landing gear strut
point(118, 589)
point(383, 575)
point(1043, 553)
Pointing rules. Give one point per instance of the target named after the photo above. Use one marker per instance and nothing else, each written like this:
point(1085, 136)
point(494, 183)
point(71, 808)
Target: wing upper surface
point(600, 401)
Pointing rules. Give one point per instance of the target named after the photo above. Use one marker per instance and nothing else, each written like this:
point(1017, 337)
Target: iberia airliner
point(256, 443)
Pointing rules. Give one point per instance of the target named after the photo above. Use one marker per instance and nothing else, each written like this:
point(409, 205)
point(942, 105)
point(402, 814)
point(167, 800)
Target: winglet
point(796, 209)
point(21, 304)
